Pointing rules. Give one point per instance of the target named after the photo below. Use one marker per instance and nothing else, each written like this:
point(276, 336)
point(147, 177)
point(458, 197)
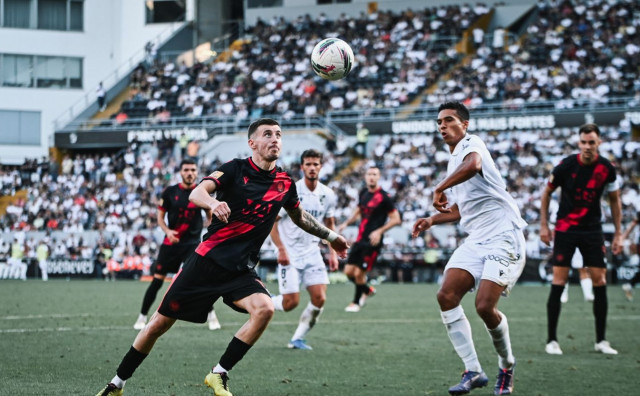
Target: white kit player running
point(492, 257)
point(299, 256)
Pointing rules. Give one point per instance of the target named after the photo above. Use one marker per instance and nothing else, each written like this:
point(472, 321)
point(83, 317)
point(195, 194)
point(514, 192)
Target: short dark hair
point(187, 161)
point(262, 121)
point(461, 110)
point(311, 153)
point(588, 128)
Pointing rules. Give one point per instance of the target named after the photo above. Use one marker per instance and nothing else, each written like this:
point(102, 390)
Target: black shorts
point(171, 256)
point(363, 254)
point(200, 283)
point(590, 244)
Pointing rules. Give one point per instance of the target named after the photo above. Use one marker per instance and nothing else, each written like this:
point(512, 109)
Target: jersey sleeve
point(291, 200)
point(388, 204)
point(613, 181)
point(473, 145)
point(556, 177)
point(224, 175)
point(165, 200)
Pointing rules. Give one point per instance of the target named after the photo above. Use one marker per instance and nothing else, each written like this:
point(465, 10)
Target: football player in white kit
point(492, 257)
point(299, 256)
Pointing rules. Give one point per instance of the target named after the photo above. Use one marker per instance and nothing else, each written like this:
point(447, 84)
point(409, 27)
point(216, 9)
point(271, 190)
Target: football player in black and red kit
point(374, 208)
point(182, 227)
point(583, 179)
point(250, 192)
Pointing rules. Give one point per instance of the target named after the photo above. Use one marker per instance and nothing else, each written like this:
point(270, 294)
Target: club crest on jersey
point(280, 187)
point(217, 174)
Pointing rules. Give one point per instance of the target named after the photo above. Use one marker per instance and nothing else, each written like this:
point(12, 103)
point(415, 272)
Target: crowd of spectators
point(397, 57)
point(412, 165)
point(575, 53)
point(116, 194)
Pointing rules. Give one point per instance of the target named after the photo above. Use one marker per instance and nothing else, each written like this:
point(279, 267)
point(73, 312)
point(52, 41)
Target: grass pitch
point(68, 337)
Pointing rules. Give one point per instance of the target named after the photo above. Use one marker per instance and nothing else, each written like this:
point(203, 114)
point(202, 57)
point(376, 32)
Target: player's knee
point(485, 310)
point(155, 328)
point(318, 301)
point(447, 300)
point(264, 312)
point(289, 303)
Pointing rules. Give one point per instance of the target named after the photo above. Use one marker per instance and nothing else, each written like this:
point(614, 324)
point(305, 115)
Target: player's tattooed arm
point(304, 220)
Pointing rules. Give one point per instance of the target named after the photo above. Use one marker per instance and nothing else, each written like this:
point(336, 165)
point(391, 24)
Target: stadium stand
point(399, 55)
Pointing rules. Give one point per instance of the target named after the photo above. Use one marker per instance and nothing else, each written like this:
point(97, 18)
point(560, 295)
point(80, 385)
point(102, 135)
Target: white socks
point(502, 343)
point(459, 332)
point(117, 381)
point(219, 369)
point(308, 319)
point(587, 288)
point(277, 302)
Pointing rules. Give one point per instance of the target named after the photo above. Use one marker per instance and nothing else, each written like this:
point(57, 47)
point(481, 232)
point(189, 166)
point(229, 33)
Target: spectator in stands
point(101, 94)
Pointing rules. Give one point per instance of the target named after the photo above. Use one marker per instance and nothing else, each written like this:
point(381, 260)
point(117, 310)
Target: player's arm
point(283, 257)
point(208, 217)
point(545, 232)
point(310, 224)
point(171, 234)
point(330, 223)
point(471, 165)
point(616, 212)
point(376, 235)
point(354, 217)
point(425, 223)
point(627, 232)
point(201, 197)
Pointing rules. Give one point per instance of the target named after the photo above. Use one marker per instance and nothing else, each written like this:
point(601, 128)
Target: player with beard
point(182, 237)
point(299, 256)
point(249, 195)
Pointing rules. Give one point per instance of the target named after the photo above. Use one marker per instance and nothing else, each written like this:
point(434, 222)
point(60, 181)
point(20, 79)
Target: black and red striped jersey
point(182, 215)
point(375, 207)
point(582, 187)
point(255, 197)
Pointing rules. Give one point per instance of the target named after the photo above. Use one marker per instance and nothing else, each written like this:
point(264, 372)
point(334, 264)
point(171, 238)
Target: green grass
point(68, 338)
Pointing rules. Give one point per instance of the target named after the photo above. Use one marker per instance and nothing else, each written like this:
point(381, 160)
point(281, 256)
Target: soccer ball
point(332, 59)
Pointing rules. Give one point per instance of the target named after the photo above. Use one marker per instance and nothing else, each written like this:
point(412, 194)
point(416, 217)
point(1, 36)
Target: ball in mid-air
point(332, 59)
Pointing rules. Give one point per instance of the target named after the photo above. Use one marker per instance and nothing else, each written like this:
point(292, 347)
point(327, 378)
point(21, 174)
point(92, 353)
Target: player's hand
point(333, 261)
point(172, 236)
point(221, 210)
point(545, 235)
point(375, 237)
point(421, 225)
point(616, 244)
point(340, 245)
point(283, 257)
point(440, 202)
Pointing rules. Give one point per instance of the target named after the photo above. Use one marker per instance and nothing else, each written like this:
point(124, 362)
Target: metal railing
point(230, 124)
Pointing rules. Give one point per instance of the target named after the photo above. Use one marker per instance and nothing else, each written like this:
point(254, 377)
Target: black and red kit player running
point(583, 178)
point(249, 195)
point(182, 228)
point(375, 206)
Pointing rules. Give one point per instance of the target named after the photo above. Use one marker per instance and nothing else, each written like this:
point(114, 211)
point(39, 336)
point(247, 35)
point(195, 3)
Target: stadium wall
point(114, 31)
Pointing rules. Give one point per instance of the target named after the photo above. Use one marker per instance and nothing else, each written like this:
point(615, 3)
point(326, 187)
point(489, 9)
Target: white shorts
point(308, 270)
point(499, 259)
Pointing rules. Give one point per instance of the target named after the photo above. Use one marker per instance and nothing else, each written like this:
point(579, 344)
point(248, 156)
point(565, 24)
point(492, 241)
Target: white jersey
point(486, 208)
point(321, 204)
